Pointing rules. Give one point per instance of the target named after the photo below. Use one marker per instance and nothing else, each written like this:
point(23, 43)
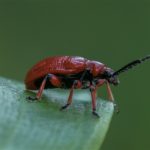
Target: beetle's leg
point(87, 71)
point(76, 84)
point(69, 98)
point(100, 82)
point(54, 81)
point(38, 95)
point(93, 96)
point(111, 97)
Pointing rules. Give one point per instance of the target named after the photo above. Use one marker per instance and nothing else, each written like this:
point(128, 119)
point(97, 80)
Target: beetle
point(74, 72)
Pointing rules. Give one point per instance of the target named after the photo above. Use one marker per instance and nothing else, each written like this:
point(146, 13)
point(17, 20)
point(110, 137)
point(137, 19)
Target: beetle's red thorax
point(97, 68)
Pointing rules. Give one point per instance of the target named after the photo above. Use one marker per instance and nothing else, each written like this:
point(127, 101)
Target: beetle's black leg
point(93, 95)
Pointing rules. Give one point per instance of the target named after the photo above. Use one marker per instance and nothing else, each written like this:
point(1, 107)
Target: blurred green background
point(114, 32)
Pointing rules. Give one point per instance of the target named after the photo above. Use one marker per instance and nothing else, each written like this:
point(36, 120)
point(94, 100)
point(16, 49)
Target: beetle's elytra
point(72, 72)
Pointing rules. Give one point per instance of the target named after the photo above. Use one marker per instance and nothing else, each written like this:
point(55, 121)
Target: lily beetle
point(74, 72)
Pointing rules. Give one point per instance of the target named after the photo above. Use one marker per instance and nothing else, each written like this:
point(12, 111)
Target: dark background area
point(114, 32)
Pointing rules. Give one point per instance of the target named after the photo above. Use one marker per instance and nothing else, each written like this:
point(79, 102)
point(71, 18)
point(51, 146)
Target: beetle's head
point(110, 77)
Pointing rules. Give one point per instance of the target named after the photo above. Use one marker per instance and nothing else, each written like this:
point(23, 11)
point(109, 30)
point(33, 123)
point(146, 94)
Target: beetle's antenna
point(131, 65)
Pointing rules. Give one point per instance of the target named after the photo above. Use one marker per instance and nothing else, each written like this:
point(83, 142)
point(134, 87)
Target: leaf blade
point(40, 125)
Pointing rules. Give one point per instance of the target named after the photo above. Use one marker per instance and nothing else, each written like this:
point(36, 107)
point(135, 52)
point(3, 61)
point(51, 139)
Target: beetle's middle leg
point(76, 84)
point(93, 96)
point(54, 80)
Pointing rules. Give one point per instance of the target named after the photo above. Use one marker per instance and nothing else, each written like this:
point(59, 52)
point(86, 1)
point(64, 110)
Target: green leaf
point(41, 125)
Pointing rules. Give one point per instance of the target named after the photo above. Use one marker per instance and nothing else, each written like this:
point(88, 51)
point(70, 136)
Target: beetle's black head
point(110, 77)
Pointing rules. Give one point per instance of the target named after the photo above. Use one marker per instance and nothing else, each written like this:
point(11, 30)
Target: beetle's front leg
point(111, 97)
point(100, 82)
point(76, 84)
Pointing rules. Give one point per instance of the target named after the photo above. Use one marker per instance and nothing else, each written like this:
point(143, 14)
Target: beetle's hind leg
point(39, 93)
point(54, 80)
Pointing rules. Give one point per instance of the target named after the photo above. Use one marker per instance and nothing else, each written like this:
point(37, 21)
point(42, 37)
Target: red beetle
point(73, 72)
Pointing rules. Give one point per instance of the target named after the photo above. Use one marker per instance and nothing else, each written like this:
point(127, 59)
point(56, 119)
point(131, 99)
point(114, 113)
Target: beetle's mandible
point(74, 72)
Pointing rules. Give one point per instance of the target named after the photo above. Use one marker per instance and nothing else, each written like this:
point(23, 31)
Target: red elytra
point(72, 72)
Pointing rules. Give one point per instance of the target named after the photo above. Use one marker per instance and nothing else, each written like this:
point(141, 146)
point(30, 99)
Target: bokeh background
point(112, 31)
